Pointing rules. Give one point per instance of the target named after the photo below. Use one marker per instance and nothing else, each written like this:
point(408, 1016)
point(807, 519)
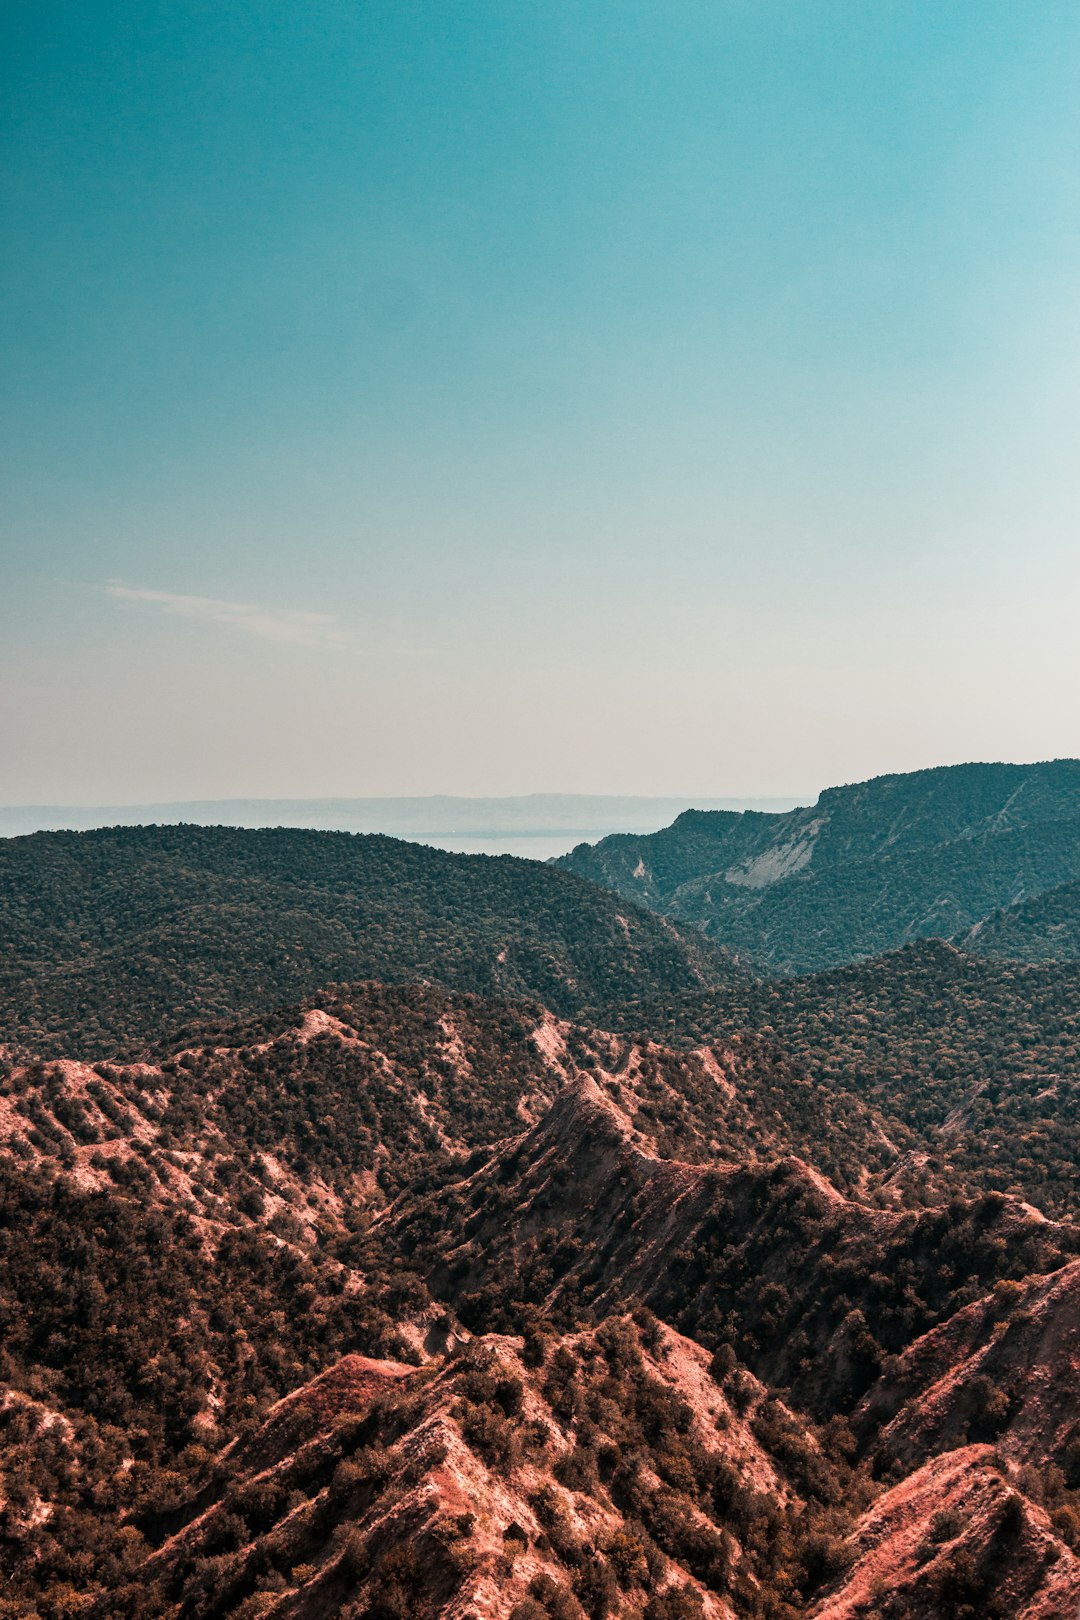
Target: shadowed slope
point(1004, 1369)
point(1037, 928)
point(812, 1289)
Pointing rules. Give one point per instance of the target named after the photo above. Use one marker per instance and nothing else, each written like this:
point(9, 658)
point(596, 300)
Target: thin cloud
point(294, 626)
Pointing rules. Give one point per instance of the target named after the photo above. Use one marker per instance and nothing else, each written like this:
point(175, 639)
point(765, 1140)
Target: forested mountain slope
point(116, 941)
point(970, 1065)
point(864, 870)
point(1041, 928)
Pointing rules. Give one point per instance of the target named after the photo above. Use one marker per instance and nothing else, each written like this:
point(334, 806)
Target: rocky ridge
point(414, 1304)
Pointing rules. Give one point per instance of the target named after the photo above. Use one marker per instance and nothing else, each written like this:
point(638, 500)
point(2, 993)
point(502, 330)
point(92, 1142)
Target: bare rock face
point(957, 1538)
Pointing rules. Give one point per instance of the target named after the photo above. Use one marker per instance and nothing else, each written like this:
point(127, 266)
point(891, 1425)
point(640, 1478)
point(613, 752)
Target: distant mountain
point(117, 940)
point(864, 870)
point(1041, 928)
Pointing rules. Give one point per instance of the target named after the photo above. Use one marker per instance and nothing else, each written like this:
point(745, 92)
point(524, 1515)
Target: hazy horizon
point(537, 826)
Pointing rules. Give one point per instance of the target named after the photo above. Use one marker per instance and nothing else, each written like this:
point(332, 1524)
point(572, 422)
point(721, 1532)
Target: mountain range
point(400, 1235)
point(868, 868)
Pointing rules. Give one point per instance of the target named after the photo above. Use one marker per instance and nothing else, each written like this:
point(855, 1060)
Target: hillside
point(183, 1208)
point(866, 869)
point(414, 1304)
point(1042, 928)
point(464, 1487)
point(116, 941)
point(812, 1289)
point(971, 1066)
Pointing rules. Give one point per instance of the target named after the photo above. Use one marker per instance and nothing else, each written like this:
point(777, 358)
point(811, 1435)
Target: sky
point(501, 398)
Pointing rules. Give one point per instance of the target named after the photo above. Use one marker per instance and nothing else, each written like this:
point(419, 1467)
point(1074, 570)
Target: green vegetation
point(970, 1066)
point(118, 941)
point(866, 869)
point(1044, 928)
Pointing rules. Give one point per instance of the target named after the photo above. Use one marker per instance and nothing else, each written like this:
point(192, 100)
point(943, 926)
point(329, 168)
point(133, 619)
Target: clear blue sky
point(502, 397)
